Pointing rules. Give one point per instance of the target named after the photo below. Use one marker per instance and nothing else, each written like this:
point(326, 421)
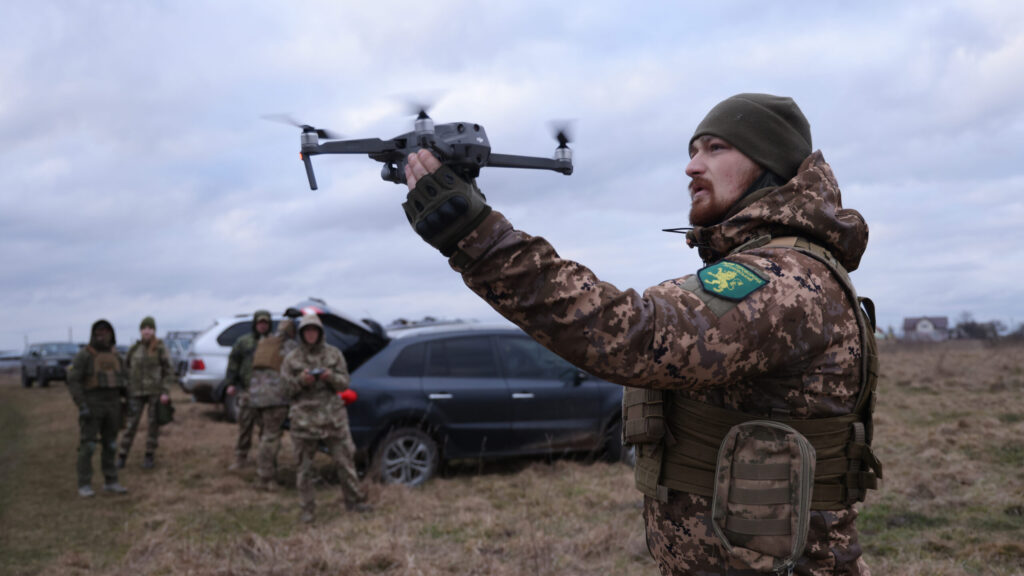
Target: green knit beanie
point(148, 322)
point(770, 130)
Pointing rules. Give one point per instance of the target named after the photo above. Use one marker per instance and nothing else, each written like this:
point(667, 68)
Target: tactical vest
point(144, 367)
point(106, 370)
point(677, 439)
point(267, 355)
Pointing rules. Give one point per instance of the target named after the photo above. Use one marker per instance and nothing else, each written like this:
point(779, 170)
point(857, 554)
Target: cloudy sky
point(137, 178)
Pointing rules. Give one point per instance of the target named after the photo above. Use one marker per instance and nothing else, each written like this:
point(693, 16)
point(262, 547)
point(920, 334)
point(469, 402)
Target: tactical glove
point(443, 208)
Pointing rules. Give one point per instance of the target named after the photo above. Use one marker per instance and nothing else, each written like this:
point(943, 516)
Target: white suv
point(208, 355)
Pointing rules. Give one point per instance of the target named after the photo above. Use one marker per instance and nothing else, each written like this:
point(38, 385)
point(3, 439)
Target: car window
point(525, 358)
point(234, 332)
point(409, 363)
point(465, 357)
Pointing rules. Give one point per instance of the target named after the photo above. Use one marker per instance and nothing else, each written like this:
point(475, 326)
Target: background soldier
point(149, 378)
point(315, 372)
point(269, 397)
point(770, 329)
point(237, 379)
point(96, 384)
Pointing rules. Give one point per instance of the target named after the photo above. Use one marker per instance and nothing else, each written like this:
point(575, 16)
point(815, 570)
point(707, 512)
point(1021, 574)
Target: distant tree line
point(968, 328)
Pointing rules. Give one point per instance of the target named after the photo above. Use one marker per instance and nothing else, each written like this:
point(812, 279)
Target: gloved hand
point(441, 207)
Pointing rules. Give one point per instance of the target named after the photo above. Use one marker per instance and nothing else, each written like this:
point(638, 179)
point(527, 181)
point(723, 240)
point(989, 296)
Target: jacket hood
point(311, 320)
point(92, 333)
point(261, 314)
point(809, 205)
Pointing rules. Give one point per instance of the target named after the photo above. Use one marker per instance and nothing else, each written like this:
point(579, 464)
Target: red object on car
point(348, 395)
point(198, 364)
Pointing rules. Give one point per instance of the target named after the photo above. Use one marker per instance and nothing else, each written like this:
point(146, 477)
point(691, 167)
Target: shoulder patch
point(730, 280)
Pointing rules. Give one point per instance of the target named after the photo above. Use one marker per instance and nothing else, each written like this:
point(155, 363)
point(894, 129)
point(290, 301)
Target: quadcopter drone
point(462, 146)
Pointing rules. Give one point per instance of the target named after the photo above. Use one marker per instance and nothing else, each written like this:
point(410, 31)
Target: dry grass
point(951, 435)
point(950, 431)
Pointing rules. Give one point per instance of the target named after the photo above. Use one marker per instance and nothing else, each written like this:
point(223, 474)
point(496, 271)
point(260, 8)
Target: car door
point(555, 406)
point(466, 392)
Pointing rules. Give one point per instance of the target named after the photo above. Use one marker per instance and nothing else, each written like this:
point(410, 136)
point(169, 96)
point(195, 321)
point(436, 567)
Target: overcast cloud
point(137, 178)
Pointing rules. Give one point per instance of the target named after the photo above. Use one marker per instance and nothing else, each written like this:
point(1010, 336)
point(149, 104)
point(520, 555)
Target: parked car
point(47, 361)
point(470, 391)
point(178, 343)
point(208, 353)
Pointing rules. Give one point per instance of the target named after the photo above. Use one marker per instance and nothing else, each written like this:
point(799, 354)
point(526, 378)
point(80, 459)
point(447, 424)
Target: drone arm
point(513, 161)
point(309, 171)
point(364, 146)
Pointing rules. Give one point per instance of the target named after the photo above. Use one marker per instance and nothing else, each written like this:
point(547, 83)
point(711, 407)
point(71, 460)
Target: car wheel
point(42, 380)
point(406, 456)
point(25, 380)
point(615, 450)
point(231, 407)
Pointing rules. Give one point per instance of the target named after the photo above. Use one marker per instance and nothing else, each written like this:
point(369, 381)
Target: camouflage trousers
point(342, 450)
point(136, 406)
point(682, 542)
point(100, 426)
point(270, 419)
point(246, 425)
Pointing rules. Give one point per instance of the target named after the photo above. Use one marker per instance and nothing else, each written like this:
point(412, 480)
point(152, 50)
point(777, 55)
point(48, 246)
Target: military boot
point(307, 517)
point(86, 491)
point(239, 463)
point(115, 487)
point(147, 462)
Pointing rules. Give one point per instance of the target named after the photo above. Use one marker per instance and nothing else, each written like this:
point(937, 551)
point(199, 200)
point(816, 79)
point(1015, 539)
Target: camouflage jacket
point(239, 371)
point(316, 411)
point(149, 369)
point(792, 344)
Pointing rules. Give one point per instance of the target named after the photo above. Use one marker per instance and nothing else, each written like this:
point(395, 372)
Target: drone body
point(462, 146)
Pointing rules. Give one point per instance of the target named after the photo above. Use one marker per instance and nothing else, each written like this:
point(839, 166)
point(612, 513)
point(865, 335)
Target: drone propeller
point(563, 130)
point(320, 132)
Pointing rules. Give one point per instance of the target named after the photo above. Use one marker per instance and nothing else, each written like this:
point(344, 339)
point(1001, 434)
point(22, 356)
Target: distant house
point(926, 329)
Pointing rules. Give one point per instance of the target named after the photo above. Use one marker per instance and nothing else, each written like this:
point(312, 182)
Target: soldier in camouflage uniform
point(149, 378)
point(269, 397)
point(763, 331)
point(237, 379)
point(315, 373)
point(97, 385)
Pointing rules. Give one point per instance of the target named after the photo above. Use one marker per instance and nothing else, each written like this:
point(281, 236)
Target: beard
point(709, 209)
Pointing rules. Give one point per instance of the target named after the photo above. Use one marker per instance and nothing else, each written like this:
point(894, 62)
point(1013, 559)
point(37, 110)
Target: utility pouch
point(762, 498)
point(643, 415)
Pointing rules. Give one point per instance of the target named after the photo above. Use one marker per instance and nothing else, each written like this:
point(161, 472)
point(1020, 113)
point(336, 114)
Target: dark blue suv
point(467, 390)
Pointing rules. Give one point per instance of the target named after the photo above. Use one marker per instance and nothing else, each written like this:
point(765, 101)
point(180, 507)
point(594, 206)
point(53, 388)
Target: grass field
point(950, 432)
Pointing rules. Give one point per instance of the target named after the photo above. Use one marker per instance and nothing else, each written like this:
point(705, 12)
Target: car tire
point(231, 407)
point(42, 380)
point(406, 456)
point(25, 380)
point(615, 450)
